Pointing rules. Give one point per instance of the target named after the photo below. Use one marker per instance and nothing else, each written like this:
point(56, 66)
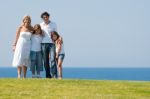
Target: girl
point(60, 54)
point(21, 46)
point(36, 54)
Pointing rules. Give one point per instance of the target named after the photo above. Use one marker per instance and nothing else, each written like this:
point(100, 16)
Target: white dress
point(22, 51)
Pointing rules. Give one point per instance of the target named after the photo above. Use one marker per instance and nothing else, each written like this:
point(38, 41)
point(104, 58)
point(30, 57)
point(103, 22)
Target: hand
point(57, 60)
point(56, 56)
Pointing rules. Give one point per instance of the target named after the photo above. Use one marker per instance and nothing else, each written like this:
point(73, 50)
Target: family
point(37, 47)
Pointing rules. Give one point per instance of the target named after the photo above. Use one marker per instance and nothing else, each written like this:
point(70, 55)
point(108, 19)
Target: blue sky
point(97, 33)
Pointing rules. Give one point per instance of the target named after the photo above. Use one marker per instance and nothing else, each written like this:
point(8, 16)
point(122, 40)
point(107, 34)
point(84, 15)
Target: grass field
point(72, 89)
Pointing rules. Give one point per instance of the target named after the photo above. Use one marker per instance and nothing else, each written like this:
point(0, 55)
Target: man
point(48, 47)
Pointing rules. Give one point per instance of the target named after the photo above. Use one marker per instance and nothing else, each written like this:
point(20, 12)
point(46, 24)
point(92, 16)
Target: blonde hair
point(37, 26)
point(24, 18)
point(30, 26)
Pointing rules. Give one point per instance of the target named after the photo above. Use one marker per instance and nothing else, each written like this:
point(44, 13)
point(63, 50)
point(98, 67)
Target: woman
point(21, 46)
point(60, 53)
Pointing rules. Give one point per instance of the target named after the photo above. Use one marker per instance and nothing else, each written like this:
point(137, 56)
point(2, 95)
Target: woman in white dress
point(21, 47)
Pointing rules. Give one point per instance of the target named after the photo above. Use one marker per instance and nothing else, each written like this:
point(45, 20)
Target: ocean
point(133, 74)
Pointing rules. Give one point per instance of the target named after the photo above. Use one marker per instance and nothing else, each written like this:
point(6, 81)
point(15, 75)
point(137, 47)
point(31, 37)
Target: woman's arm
point(16, 38)
point(31, 29)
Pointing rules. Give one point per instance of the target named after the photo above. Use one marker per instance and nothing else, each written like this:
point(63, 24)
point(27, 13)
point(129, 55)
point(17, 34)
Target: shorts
point(61, 56)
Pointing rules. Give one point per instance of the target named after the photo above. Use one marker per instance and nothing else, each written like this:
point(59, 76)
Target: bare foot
point(59, 78)
point(19, 76)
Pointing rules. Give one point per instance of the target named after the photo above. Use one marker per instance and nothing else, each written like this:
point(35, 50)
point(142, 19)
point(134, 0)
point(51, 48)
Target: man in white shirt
point(48, 47)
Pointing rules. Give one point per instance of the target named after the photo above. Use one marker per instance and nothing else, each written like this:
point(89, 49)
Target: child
point(36, 54)
point(60, 54)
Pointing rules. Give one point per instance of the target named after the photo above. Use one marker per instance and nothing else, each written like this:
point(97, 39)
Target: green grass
point(72, 89)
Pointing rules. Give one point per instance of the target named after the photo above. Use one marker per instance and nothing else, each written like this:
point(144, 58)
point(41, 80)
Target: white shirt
point(36, 41)
point(48, 28)
point(62, 51)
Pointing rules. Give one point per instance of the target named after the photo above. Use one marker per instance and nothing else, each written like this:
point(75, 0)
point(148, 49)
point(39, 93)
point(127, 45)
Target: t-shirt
point(36, 41)
point(48, 28)
point(62, 51)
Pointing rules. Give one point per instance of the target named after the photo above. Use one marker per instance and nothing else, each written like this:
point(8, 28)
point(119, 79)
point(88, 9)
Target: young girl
point(36, 54)
point(60, 54)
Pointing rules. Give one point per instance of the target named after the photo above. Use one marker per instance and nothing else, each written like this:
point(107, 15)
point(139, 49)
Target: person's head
point(45, 16)
point(54, 35)
point(26, 21)
point(37, 29)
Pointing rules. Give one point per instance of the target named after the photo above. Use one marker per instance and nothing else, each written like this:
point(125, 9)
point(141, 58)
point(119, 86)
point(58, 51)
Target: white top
point(25, 35)
point(48, 28)
point(36, 41)
point(62, 51)
point(22, 51)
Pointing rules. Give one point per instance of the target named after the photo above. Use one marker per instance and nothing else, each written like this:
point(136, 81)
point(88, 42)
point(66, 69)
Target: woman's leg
point(19, 71)
point(60, 69)
point(24, 71)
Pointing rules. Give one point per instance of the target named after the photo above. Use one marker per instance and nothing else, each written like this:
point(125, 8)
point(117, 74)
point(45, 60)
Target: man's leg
point(45, 55)
point(53, 61)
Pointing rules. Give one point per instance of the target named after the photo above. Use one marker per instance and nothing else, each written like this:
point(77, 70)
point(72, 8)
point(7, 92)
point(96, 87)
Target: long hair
point(29, 19)
point(37, 26)
point(24, 18)
point(55, 33)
